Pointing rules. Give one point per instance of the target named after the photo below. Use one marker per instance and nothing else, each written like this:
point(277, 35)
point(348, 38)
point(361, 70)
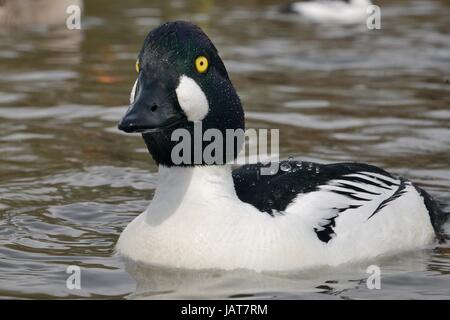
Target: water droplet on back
point(285, 166)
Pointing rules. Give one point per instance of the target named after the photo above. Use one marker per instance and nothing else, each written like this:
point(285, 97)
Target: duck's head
point(181, 81)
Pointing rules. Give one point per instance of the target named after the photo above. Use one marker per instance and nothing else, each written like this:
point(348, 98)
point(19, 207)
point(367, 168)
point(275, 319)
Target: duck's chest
point(217, 237)
point(197, 221)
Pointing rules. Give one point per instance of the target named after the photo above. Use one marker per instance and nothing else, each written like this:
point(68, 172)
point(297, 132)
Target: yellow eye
point(137, 66)
point(201, 64)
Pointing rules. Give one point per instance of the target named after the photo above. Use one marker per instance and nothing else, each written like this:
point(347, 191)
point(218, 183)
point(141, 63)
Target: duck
point(216, 216)
point(330, 11)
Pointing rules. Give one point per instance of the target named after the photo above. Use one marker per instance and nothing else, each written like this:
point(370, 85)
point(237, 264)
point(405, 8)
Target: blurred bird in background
point(329, 11)
point(35, 12)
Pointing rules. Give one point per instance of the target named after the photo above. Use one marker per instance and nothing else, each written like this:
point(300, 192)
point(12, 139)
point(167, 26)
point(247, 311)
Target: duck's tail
point(437, 214)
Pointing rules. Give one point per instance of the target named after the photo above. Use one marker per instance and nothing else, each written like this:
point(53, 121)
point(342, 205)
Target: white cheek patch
point(192, 99)
point(133, 92)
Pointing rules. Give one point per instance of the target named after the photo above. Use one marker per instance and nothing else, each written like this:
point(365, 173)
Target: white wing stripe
point(369, 178)
point(369, 187)
point(383, 177)
point(363, 196)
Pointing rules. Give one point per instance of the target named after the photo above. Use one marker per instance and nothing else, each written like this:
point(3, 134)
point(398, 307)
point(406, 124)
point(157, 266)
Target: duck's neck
point(186, 189)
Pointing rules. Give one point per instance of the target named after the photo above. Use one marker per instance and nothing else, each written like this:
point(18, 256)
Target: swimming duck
point(330, 11)
point(210, 216)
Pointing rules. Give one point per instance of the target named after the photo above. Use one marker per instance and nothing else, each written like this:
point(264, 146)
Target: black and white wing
point(334, 197)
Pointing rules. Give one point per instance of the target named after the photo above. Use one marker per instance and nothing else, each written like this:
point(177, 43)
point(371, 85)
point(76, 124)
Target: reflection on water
point(70, 182)
point(402, 276)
